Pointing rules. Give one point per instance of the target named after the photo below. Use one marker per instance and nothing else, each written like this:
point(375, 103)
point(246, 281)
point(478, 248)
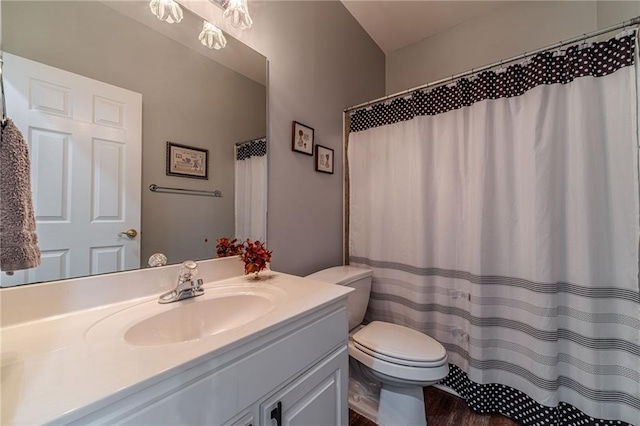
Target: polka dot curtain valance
point(255, 148)
point(551, 67)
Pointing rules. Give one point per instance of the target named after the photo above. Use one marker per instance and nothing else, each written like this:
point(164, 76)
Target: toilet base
point(401, 406)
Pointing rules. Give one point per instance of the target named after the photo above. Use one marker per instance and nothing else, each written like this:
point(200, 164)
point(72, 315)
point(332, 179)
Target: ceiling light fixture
point(238, 13)
point(166, 10)
point(212, 37)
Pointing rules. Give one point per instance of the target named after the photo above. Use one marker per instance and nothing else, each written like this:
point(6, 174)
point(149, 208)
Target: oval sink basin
point(198, 319)
point(221, 309)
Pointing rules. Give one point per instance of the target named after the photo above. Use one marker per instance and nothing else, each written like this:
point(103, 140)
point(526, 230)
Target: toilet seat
point(400, 345)
point(399, 354)
point(423, 364)
point(396, 373)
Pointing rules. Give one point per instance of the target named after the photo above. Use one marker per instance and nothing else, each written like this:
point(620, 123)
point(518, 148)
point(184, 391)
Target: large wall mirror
point(85, 82)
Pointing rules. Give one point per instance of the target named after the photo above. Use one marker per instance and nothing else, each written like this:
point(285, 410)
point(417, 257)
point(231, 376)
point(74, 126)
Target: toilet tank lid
point(341, 275)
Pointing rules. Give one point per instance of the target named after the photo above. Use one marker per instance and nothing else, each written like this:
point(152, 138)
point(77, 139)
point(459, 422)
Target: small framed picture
point(187, 161)
point(324, 159)
point(302, 140)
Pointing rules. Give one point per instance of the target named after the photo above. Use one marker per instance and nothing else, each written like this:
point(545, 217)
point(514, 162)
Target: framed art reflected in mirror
point(187, 161)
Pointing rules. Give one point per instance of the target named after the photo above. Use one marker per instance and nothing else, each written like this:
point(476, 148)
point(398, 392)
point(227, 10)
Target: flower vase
point(252, 270)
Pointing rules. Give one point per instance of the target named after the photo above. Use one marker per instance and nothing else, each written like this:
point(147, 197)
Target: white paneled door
point(85, 140)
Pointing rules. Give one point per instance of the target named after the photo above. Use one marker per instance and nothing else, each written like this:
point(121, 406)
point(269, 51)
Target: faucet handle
point(196, 285)
point(188, 270)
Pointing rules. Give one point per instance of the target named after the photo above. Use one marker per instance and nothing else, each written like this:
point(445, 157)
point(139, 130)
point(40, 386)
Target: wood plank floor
point(444, 409)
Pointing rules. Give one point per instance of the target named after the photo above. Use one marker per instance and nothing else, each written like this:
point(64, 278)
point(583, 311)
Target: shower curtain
point(251, 190)
point(500, 216)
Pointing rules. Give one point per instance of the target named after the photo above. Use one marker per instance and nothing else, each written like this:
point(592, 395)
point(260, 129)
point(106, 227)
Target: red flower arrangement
point(255, 256)
point(226, 247)
point(253, 253)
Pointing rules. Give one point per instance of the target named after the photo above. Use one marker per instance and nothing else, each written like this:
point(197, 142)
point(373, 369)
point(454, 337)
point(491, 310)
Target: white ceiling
point(394, 24)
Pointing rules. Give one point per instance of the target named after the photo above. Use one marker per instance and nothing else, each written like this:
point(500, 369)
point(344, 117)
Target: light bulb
point(212, 37)
point(238, 13)
point(166, 10)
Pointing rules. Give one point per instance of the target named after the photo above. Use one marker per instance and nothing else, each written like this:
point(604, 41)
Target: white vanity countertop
point(50, 370)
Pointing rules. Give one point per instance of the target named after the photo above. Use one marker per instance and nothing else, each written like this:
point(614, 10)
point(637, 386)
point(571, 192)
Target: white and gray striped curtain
point(251, 191)
point(501, 217)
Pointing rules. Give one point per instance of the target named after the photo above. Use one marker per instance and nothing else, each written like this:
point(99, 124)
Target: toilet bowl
point(403, 360)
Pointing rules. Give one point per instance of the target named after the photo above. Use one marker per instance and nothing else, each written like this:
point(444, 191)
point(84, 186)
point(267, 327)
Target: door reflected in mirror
point(98, 89)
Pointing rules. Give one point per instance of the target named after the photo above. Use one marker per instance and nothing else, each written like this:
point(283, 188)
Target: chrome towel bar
point(155, 188)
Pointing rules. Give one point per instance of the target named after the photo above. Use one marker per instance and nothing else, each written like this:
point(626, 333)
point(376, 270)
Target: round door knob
point(157, 259)
point(129, 233)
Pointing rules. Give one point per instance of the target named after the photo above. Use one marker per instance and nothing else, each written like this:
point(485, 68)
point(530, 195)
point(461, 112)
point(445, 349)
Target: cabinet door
point(318, 397)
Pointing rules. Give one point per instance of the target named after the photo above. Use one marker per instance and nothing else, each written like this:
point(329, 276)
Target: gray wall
point(612, 12)
point(187, 99)
point(503, 33)
point(320, 61)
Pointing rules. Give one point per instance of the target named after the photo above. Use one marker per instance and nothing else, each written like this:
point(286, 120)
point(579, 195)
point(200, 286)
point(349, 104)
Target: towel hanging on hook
point(18, 240)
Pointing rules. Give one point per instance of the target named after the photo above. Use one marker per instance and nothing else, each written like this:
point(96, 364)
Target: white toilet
point(403, 360)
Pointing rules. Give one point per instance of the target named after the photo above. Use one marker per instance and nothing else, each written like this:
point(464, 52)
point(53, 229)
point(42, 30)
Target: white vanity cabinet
point(292, 374)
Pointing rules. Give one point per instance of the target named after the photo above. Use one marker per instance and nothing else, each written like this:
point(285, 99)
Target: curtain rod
point(634, 21)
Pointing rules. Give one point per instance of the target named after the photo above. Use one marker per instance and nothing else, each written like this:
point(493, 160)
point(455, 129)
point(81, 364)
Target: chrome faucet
point(187, 286)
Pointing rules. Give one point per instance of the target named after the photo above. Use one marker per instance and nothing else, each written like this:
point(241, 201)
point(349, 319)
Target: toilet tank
point(350, 276)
